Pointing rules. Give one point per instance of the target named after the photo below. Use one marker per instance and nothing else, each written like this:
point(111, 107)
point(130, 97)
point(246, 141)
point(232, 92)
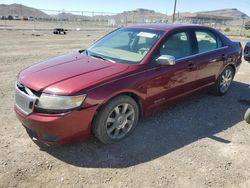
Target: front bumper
point(60, 129)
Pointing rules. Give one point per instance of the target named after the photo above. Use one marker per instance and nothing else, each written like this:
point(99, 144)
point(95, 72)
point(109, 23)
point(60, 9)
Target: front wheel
point(224, 81)
point(116, 120)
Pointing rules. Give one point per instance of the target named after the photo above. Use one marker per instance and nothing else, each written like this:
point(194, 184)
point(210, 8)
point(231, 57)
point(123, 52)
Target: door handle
point(224, 57)
point(213, 60)
point(191, 65)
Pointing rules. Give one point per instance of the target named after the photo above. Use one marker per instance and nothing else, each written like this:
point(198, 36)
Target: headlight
point(59, 103)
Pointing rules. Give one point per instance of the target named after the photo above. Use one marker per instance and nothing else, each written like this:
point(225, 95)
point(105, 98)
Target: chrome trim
point(29, 92)
point(19, 84)
point(198, 54)
point(29, 98)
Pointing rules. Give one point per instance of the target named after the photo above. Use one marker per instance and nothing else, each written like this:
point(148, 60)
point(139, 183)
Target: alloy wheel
point(120, 121)
point(226, 80)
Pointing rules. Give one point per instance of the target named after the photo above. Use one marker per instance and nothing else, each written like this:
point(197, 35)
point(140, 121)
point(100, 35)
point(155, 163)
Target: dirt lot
point(200, 142)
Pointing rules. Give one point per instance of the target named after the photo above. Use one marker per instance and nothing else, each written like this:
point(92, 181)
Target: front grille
point(25, 99)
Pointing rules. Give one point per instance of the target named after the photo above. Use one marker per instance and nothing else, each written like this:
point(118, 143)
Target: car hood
point(69, 74)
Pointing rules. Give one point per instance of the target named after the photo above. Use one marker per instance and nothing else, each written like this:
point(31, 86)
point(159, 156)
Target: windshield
point(127, 45)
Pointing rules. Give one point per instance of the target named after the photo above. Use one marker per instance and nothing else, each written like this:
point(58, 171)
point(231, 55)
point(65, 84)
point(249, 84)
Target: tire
point(116, 120)
point(247, 116)
point(224, 81)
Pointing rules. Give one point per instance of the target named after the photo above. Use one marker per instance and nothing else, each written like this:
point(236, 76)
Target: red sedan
point(128, 73)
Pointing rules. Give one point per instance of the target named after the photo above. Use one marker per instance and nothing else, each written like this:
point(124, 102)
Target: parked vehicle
point(122, 77)
point(247, 116)
point(247, 25)
point(25, 18)
point(247, 52)
point(4, 17)
point(16, 17)
point(10, 17)
point(31, 18)
point(60, 31)
point(247, 58)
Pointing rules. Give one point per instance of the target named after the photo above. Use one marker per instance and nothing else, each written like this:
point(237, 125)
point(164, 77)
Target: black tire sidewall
point(99, 124)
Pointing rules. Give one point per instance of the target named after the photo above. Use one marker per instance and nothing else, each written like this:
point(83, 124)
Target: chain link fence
point(75, 20)
point(47, 20)
point(230, 27)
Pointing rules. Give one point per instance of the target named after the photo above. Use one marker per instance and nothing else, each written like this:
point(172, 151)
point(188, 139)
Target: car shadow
point(201, 116)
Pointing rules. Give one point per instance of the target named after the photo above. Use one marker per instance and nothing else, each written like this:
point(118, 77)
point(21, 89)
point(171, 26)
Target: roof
point(165, 27)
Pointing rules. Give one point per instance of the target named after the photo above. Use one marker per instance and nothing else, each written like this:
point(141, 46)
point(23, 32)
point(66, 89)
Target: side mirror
point(166, 60)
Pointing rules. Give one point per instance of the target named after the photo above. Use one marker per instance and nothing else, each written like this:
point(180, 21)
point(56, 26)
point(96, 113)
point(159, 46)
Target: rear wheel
point(224, 81)
point(116, 120)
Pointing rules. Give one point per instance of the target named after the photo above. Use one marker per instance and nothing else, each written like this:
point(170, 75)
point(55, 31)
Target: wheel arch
point(131, 94)
point(227, 65)
point(233, 67)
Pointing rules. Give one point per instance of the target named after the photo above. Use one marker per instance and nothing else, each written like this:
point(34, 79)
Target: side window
point(207, 41)
point(177, 45)
point(219, 42)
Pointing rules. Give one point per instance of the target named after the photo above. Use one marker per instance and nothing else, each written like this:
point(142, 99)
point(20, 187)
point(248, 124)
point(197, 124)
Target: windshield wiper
point(103, 58)
point(97, 56)
point(84, 50)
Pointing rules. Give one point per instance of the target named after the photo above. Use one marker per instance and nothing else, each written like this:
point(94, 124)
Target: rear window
point(207, 41)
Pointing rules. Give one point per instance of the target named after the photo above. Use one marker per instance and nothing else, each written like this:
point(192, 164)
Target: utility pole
point(175, 2)
point(21, 10)
point(242, 27)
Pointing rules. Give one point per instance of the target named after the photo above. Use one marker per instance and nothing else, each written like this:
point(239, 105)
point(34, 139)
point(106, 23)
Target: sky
point(116, 6)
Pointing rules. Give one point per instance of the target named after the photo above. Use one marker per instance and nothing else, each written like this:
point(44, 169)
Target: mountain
point(141, 15)
point(138, 15)
point(234, 13)
point(69, 16)
point(21, 10)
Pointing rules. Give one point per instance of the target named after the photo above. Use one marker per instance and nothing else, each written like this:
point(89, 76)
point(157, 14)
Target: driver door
point(171, 81)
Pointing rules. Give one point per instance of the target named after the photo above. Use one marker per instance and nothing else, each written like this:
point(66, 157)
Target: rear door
point(210, 55)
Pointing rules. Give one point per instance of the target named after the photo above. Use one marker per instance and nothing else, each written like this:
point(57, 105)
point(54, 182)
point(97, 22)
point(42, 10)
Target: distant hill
point(231, 13)
point(235, 13)
point(138, 15)
point(69, 16)
point(142, 15)
point(21, 10)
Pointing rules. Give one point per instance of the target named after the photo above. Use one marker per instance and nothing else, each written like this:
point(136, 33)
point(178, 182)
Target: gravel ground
point(199, 142)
